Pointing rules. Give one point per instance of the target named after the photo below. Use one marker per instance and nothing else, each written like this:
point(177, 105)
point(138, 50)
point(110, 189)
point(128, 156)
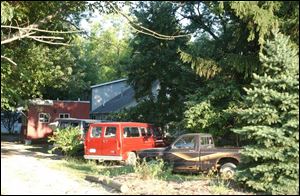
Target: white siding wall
point(102, 94)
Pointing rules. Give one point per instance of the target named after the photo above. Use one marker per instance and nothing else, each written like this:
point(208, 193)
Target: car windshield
point(186, 142)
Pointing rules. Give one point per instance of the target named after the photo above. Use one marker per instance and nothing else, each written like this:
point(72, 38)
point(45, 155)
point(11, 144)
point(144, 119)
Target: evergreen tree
point(271, 162)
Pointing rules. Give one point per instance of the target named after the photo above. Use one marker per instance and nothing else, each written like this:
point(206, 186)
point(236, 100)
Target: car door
point(110, 145)
point(93, 142)
point(146, 138)
point(184, 154)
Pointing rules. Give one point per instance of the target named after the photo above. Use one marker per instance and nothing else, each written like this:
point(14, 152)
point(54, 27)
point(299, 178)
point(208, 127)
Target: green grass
point(82, 167)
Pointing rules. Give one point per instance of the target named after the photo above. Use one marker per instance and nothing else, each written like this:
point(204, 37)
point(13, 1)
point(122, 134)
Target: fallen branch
point(108, 182)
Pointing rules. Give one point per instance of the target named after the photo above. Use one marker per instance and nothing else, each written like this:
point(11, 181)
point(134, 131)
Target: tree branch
point(40, 30)
point(145, 30)
point(49, 42)
point(8, 59)
point(16, 37)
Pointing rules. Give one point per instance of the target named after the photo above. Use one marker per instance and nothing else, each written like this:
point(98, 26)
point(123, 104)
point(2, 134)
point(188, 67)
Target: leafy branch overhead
point(206, 68)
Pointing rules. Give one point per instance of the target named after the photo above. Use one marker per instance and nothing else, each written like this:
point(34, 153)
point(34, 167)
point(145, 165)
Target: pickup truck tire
point(227, 170)
point(131, 159)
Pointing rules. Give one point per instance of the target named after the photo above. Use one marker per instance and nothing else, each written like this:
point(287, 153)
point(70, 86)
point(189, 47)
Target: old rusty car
point(196, 152)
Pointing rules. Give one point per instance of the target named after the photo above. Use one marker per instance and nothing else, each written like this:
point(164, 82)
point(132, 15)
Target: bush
point(67, 140)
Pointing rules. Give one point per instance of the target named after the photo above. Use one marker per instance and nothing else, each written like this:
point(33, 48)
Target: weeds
point(150, 170)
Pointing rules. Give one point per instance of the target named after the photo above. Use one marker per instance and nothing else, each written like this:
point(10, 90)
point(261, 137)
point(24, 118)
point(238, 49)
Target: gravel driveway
point(24, 170)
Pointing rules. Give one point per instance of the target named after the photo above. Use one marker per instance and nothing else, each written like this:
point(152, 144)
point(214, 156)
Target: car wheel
point(228, 170)
point(131, 159)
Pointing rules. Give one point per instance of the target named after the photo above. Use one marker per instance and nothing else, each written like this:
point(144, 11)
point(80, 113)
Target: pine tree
point(271, 162)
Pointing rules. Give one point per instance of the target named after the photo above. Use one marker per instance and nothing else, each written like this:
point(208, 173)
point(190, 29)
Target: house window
point(44, 117)
point(64, 115)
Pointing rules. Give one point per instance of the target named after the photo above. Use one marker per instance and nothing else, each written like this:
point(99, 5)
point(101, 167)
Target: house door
point(111, 144)
point(93, 142)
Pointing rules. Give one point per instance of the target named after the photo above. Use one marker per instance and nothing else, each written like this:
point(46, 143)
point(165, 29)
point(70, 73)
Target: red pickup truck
point(196, 152)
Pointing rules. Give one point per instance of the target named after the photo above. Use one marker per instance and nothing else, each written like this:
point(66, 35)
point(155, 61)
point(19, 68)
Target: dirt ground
point(25, 171)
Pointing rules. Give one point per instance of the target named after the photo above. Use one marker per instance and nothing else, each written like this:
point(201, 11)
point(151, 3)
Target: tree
point(271, 161)
point(229, 36)
point(29, 67)
point(97, 58)
point(8, 119)
point(156, 60)
point(35, 64)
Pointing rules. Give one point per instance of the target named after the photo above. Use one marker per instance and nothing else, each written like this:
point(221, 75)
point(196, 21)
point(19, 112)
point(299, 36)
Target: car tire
point(131, 159)
point(227, 170)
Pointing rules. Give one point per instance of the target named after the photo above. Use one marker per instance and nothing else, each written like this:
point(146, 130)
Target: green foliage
point(100, 58)
point(67, 140)
point(6, 12)
point(206, 68)
point(259, 17)
point(37, 67)
point(155, 60)
point(211, 109)
point(231, 37)
point(150, 170)
point(271, 162)
point(52, 71)
point(37, 64)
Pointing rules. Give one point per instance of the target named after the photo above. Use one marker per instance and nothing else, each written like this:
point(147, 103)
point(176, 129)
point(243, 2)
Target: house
point(42, 112)
point(111, 97)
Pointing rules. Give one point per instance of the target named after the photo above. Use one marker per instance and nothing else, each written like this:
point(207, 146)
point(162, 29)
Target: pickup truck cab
point(196, 152)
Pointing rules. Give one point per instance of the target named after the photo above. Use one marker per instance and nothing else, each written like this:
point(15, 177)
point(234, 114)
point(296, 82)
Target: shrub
point(67, 140)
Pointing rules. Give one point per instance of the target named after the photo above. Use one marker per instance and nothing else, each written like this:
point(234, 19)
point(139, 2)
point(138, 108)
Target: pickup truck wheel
point(131, 159)
point(227, 170)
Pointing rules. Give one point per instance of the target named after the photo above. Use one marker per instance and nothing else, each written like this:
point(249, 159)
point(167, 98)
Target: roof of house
point(117, 102)
point(107, 83)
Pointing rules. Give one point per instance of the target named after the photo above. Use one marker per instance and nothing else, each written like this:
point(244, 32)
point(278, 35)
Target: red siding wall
point(37, 130)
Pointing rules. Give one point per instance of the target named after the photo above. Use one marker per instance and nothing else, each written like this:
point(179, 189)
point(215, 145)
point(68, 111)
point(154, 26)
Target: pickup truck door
point(208, 153)
point(184, 154)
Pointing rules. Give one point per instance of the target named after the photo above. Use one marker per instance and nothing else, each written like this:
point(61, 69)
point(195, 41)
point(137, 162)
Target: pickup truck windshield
point(186, 142)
